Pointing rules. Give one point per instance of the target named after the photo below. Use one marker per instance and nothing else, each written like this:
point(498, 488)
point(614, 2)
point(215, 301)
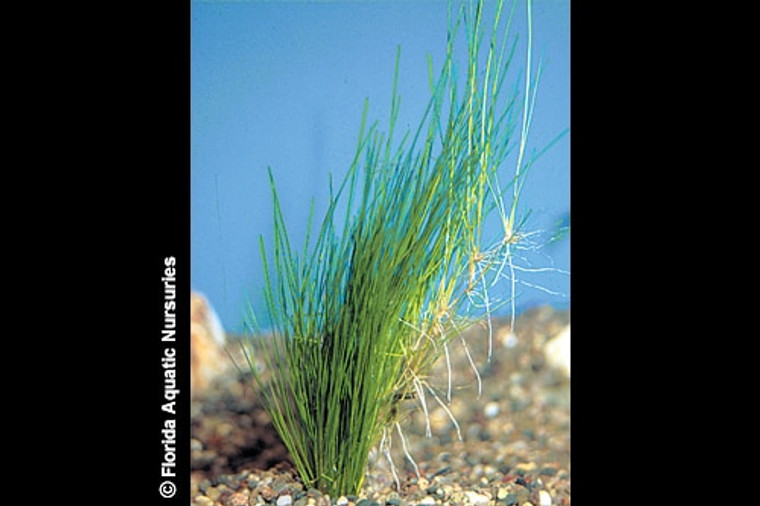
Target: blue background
point(282, 84)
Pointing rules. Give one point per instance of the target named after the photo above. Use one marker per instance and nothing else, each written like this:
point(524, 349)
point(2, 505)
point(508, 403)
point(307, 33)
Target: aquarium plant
point(398, 266)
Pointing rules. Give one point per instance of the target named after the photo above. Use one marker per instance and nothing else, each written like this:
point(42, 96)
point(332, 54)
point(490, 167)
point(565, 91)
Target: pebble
point(491, 409)
point(284, 500)
point(511, 499)
point(476, 499)
point(342, 501)
point(266, 492)
point(509, 339)
point(558, 351)
point(544, 498)
point(202, 500)
point(394, 499)
point(279, 485)
point(236, 499)
point(213, 493)
point(204, 484)
point(427, 500)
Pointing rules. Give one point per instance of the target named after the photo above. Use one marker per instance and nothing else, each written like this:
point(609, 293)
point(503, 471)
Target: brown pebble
point(267, 492)
point(213, 493)
point(236, 499)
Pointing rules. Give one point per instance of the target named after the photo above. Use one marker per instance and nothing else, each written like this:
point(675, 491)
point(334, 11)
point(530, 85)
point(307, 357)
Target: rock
point(204, 484)
point(544, 498)
point(394, 499)
point(207, 356)
point(502, 493)
point(236, 499)
point(202, 500)
point(427, 500)
point(491, 410)
point(477, 499)
point(509, 338)
point(266, 492)
point(557, 351)
point(510, 499)
point(457, 497)
point(342, 501)
point(444, 456)
point(213, 493)
point(437, 491)
point(284, 500)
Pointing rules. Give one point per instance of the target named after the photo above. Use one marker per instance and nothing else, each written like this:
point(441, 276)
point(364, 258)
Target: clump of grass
point(361, 315)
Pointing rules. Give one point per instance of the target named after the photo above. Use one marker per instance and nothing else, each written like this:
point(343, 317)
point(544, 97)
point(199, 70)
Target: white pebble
point(342, 501)
point(284, 500)
point(557, 351)
point(544, 498)
point(476, 499)
point(428, 500)
point(491, 409)
point(510, 340)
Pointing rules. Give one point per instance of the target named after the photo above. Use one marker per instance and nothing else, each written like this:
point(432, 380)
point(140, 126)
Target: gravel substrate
point(515, 447)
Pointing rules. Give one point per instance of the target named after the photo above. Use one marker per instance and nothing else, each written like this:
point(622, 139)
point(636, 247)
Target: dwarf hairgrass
point(361, 315)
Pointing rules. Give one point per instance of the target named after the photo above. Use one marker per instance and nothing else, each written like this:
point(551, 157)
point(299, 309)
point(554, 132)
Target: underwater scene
point(380, 238)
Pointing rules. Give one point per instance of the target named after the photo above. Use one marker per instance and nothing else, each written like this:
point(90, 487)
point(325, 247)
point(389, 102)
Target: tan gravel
point(515, 447)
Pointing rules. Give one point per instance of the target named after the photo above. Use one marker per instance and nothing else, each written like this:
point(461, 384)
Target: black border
point(582, 49)
point(162, 83)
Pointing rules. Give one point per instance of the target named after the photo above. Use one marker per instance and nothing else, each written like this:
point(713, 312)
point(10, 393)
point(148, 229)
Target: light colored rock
point(236, 499)
point(509, 338)
point(557, 351)
point(203, 313)
point(491, 410)
point(477, 499)
point(428, 500)
point(284, 500)
point(207, 356)
point(213, 493)
point(342, 501)
point(267, 492)
point(544, 498)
